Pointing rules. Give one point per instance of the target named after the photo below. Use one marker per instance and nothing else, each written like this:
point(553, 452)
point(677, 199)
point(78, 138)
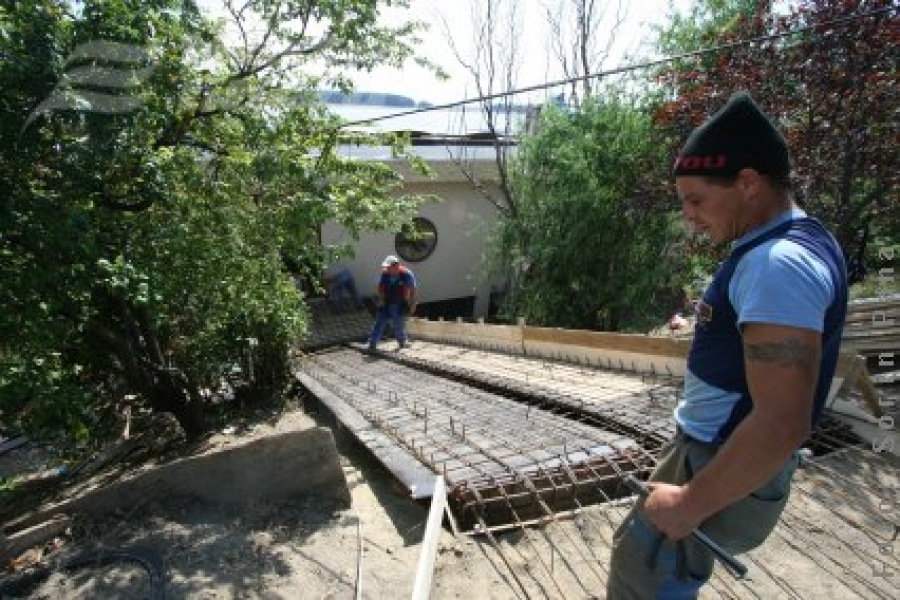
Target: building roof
point(440, 122)
point(452, 159)
point(456, 143)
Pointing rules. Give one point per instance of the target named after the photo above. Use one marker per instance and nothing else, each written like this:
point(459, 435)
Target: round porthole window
point(416, 242)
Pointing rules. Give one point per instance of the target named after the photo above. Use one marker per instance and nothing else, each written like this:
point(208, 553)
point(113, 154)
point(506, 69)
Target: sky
point(538, 62)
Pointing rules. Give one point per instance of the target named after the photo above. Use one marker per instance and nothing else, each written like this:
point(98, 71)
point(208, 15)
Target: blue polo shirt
point(396, 287)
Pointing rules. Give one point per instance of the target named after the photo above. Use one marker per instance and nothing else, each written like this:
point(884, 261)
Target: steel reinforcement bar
point(504, 462)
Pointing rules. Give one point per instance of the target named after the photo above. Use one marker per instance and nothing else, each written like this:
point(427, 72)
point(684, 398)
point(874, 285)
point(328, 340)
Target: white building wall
point(453, 270)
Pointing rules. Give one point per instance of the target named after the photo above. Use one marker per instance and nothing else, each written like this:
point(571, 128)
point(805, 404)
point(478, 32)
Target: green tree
point(592, 248)
point(703, 22)
point(155, 186)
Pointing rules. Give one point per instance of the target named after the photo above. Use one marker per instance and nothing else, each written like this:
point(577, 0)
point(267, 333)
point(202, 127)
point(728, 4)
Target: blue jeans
point(394, 314)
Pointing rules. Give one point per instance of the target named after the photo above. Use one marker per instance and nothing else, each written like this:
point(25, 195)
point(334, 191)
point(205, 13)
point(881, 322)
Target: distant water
point(455, 121)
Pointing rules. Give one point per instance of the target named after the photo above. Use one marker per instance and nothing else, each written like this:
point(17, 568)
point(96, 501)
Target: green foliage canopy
point(143, 250)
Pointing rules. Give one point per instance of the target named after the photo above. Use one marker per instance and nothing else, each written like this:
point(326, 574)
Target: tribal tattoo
point(790, 352)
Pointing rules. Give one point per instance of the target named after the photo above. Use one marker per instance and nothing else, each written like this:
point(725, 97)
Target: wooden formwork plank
point(851, 372)
point(872, 346)
point(847, 364)
point(612, 359)
point(467, 332)
point(859, 306)
point(875, 317)
point(18, 542)
point(873, 326)
point(869, 393)
point(638, 344)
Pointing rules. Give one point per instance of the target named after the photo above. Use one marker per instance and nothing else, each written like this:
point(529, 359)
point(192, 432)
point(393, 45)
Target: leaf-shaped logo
point(99, 77)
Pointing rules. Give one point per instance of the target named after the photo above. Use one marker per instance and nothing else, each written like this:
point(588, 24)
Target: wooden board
point(640, 344)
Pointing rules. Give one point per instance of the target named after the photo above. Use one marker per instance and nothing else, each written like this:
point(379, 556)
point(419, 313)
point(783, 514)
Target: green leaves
point(586, 252)
point(42, 392)
point(143, 250)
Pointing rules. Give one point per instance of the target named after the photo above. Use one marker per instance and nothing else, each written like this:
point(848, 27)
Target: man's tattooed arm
point(788, 352)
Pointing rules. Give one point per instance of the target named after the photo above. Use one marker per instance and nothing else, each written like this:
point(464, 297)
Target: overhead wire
point(628, 68)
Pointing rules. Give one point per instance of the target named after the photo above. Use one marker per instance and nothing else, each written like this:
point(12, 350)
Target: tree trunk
point(170, 394)
point(165, 389)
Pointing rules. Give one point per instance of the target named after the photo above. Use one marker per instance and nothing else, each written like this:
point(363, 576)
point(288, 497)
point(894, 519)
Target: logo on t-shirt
point(704, 312)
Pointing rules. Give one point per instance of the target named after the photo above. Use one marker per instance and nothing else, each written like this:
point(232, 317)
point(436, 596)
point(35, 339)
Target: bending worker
point(396, 299)
point(765, 349)
point(342, 281)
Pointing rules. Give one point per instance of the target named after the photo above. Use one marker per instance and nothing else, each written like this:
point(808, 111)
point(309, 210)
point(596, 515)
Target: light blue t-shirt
point(778, 282)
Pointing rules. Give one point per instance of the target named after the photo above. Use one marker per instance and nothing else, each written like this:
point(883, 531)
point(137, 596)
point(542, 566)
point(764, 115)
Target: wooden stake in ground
point(425, 571)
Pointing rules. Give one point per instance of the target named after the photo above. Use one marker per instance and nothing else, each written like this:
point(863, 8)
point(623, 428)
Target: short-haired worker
point(764, 352)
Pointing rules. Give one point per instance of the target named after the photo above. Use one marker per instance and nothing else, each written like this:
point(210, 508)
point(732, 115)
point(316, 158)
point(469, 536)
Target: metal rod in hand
point(737, 568)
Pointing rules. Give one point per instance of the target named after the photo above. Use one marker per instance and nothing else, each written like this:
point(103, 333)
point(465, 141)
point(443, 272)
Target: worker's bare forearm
point(754, 453)
point(782, 366)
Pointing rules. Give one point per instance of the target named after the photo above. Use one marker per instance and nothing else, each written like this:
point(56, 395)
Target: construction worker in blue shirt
point(765, 348)
point(396, 300)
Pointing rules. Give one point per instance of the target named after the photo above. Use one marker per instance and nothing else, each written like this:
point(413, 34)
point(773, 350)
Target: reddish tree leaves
point(834, 89)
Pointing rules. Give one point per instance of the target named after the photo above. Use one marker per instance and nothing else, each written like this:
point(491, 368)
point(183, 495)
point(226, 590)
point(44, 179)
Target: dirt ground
point(829, 545)
point(309, 548)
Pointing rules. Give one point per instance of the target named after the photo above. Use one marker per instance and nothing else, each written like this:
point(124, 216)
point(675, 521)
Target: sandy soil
point(309, 548)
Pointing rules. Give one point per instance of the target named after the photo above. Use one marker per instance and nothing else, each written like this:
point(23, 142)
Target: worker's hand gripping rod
point(736, 567)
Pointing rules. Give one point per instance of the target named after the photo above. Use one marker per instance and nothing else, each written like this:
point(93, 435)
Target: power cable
point(618, 70)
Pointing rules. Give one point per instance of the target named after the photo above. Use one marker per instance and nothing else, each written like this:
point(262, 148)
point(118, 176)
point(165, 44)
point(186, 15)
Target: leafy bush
point(592, 246)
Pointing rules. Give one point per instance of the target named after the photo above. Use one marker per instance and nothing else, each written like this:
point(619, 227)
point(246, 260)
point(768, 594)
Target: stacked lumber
point(873, 327)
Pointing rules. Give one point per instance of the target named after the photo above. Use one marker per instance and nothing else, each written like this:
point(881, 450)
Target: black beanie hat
point(738, 136)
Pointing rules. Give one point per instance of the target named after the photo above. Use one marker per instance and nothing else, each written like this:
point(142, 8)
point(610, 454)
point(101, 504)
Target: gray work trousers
point(646, 566)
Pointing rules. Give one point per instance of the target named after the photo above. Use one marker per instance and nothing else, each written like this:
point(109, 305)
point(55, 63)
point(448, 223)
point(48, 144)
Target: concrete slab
point(283, 466)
